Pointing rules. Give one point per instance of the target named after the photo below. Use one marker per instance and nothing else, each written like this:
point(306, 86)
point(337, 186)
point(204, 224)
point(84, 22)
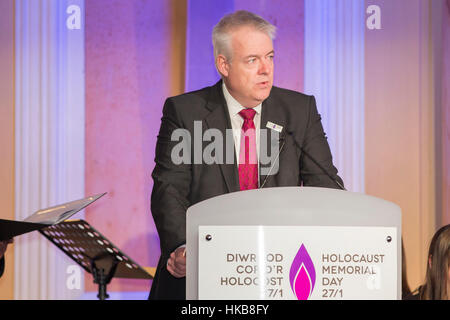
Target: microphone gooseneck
point(283, 139)
point(336, 181)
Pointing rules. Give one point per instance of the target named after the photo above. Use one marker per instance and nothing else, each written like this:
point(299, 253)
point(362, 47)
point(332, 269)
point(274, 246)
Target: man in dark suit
point(246, 101)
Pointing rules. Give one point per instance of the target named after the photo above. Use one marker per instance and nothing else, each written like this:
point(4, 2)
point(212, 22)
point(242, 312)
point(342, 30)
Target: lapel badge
point(274, 126)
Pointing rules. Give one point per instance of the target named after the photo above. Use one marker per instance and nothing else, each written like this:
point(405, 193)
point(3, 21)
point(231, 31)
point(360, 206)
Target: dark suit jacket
point(176, 187)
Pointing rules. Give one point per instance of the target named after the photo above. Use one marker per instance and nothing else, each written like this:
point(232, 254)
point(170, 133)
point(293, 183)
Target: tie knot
point(247, 113)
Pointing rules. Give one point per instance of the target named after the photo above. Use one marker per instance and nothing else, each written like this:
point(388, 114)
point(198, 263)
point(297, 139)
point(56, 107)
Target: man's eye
point(251, 60)
point(271, 57)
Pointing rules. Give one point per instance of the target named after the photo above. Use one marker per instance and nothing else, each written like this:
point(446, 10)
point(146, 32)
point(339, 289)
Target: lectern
point(294, 243)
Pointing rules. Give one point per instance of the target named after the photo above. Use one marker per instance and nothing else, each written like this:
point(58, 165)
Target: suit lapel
point(219, 118)
point(270, 113)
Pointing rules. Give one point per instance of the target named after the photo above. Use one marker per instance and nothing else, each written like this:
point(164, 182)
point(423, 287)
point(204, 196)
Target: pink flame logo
point(302, 275)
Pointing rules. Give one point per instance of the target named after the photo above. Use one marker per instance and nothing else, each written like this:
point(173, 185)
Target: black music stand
point(94, 253)
point(44, 217)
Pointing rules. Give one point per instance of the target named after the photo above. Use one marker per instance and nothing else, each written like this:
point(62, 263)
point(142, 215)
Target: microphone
point(317, 163)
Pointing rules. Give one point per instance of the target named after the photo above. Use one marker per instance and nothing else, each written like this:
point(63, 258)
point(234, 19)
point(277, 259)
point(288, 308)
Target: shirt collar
point(234, 106)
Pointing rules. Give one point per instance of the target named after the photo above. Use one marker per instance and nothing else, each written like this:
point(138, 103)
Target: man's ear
point(222, 65)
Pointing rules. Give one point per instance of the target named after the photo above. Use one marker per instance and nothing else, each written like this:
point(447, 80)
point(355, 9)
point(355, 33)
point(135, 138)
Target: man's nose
point(264, 67)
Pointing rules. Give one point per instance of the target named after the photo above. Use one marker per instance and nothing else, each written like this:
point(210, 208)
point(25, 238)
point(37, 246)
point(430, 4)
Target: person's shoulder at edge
point(189, 106)
point(291, 97)
point(292, 93)
point(295, 105)
point(202, 94)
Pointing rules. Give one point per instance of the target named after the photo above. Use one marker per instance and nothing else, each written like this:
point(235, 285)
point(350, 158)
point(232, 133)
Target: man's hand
point(3, 246)
point(176, 264)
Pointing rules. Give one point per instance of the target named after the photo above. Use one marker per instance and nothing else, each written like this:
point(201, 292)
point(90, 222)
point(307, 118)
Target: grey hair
point(221, 35)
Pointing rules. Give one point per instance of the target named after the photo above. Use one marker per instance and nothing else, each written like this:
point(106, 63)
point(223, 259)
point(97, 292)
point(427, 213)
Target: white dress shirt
point(237, 121)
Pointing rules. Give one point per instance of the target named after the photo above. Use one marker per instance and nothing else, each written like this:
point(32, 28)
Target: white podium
point(293, 243)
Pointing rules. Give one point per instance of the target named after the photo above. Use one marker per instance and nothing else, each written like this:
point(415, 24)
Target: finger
point(180, 252)
point(179, 258)
point(181, 271)
point(170, 267)
point(180, 261)
point(176, 269)
point(171, 263)
point(178, 274)
point(174, 272)
point(179, 268)
point(176, 264)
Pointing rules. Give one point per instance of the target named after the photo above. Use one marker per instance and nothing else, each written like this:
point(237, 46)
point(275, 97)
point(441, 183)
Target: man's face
point(249, 75)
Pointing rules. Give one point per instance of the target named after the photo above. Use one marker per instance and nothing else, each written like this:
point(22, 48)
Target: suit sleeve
point(171, 184)
point(316, 145)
